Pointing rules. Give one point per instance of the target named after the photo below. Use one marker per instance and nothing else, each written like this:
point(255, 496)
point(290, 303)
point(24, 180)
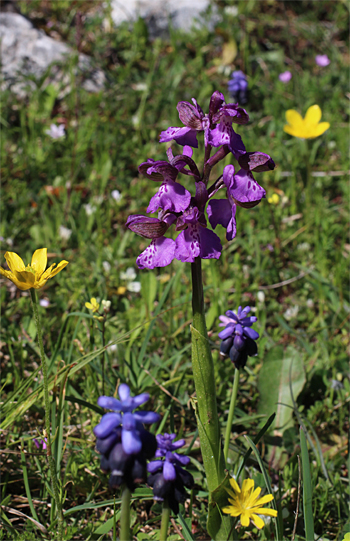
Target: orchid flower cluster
point(190, 212)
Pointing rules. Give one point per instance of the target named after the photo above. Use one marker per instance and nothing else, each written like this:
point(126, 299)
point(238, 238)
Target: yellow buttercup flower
point(33, 275)
point(247, 505)
point(92, 305)
point(308, 127)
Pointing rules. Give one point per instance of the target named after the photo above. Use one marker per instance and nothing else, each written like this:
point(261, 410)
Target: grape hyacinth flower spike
point(168, 477)
point(238, 87)
point(238, 338)
point(122, 441)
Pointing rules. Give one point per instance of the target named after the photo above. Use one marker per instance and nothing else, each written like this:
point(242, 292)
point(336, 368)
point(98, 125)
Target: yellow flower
point(247, 505)
point(121, 290)
point(308, 127)
point(274, 199)
point(92, 305)
point(33, 275)
point(347, 537)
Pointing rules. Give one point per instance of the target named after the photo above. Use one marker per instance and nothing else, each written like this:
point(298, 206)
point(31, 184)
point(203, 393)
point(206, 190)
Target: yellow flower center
point(30, 269)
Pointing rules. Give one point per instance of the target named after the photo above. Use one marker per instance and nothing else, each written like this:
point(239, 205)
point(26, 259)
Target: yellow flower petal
point(265, 499)
point(296, 132)
point(89, 306)
point(24, 280)
point(14, 262)
point(245, 519)
point(235, 485)
point(230, 510)
point(259, 523)
point(313, 115)
point(294, 118)
point(247, 484)
point(47, 273)
point(265, 511)
point(251, 501)
point(319, 129)
point(58, 269)
point(39, 261)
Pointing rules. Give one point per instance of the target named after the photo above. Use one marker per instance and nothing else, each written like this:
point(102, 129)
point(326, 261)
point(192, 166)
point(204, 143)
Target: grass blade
point(279, 533)
point(185, 529)
point(307, 488)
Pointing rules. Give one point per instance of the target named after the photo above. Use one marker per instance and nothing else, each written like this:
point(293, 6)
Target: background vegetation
point(289, 260)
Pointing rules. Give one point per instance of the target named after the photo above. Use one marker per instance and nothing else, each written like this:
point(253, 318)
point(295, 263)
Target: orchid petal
point(159, 253)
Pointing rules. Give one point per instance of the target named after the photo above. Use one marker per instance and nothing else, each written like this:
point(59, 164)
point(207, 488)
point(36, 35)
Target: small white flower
point(310, 303)
point(106, 305)
point(45, 303)
point(304, 247)
point(56, 132)
point(106, 266)
point(89, 209)
point(116, 195)
point(9, 241)
point(291, 312)
point(134, 287)
point(64, 232)
point(260, 296)
point(112, 348)
point(129, 274)
point(231, 10)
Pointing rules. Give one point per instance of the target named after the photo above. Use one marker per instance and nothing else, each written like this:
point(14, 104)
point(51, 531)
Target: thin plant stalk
point(50, 458)
point(307, 488)
point(165, 521)
point(125, 534)
point(231, 412)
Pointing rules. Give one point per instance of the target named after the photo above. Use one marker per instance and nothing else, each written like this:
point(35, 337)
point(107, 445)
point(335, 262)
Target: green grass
point(296, 252)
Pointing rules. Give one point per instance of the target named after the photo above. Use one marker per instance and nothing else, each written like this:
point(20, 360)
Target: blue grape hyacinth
point(168, 477)
point(238, 338)
point(123, 442)
point(238, 87)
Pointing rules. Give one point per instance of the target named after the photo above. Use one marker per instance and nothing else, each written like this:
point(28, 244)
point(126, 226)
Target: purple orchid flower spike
point(238, 339)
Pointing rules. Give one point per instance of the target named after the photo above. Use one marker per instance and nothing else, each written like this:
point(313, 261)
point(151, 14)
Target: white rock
point(157, 13)
point(28, 51)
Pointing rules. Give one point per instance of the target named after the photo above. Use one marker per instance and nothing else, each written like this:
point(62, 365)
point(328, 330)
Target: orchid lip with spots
point(190, 208)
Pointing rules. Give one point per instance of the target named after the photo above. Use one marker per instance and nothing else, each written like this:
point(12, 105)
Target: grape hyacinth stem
point(231, 412)
point(165, 521)
point(50, 458)
point(125, 534)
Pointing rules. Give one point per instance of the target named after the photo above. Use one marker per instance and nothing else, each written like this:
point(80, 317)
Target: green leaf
point(281, 372)
point(273, 385)
point(307, 488)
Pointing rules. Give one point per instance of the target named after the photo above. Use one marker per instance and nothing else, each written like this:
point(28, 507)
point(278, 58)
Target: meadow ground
point(289, 261)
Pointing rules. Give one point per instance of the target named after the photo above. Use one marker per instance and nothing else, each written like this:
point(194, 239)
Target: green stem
point(218, 526)
point(50, 458)
point(204, 381)
point(231, 412)
point(165, 521)
point(125, 534)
